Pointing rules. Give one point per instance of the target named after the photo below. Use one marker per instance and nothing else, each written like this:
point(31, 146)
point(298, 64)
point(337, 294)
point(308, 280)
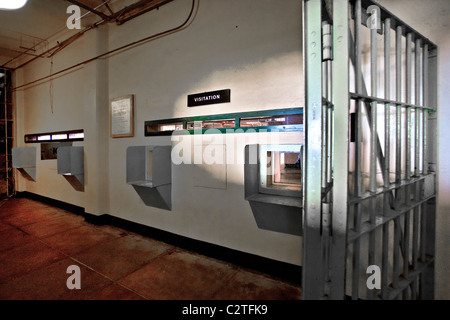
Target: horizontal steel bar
point(370, 99)
point(405, 282)
point(382, 190)
point(367, 227)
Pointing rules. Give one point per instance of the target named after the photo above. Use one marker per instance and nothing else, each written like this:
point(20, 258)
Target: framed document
point(122, 117)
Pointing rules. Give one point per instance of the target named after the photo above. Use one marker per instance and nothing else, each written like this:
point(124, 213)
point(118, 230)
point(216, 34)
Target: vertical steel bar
point(430, 206)
point(373, 144)
point(398, 87)
point(398, 155)
point(408, 109)
point(312, 275)
point(373, 111)
point(423, 207)
point(387, 146)
point(324, 144)
point(358, 151)
point(330, 124)
point(408, 157)
point(387, 95)
point(426, 104)
point(326, 29)
point(327, 88)
point(417, 140)
point(340, 94)
point(325, 128)
point(423, 235)
point(418, 114)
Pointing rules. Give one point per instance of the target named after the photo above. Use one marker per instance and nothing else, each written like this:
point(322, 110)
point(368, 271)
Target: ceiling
point(25, 31)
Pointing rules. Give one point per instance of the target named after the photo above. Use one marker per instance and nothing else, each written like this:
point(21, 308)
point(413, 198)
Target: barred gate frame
point(352, 221)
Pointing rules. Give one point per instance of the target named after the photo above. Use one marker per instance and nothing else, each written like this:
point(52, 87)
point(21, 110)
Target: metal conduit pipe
point(58, 47)
point(105, 19)
point(178, 28)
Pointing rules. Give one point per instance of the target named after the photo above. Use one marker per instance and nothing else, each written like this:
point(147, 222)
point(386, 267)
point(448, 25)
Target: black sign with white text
point(212, 97)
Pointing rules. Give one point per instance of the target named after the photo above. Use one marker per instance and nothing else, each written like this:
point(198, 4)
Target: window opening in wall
point(44, 138)
point(266, 120)
point(61, 136)
point(31, 139)
point(276, 120)
point(78, 135)
point(164, 127)
point(283, 170)
point(212, 124)
point(280, 169)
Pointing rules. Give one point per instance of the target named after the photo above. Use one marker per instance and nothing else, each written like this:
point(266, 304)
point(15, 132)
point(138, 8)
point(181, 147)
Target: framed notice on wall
point(122, 117)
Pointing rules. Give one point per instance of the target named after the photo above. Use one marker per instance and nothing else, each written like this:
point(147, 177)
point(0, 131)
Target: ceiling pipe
point(93, 10)
point(132, 44)
point(127, 13)
point(59, 46)
point(133, 6)
point(154, 4)
point(150, 6)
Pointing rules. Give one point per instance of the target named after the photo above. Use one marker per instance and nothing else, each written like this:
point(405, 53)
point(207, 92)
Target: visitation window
point(280, 169)
point(78, 135)
point(44, 138)
point(163, 127)
point(270, 121)
point(31, 139)
point(60, 136)
point(253, 121)
point(211, 124)
point(283, 170)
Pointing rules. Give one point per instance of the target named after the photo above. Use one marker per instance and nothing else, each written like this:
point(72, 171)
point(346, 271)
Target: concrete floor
point(39, 242)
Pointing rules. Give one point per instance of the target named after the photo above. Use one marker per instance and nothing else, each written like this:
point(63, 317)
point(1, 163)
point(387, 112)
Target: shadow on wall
point(75, 183)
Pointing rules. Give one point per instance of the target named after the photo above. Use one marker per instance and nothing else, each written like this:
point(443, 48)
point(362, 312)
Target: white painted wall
point(252, 47)
point(40, 109)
